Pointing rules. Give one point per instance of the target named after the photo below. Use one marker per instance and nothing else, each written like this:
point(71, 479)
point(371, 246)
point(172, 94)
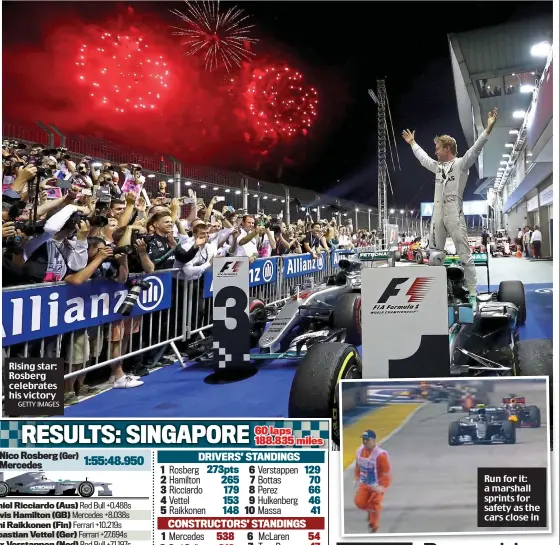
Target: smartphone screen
point(54, 193)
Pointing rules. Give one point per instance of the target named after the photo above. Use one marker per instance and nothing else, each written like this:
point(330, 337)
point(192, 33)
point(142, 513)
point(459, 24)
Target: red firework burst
point(222, 37)
point(122, 74)
point(280, 104)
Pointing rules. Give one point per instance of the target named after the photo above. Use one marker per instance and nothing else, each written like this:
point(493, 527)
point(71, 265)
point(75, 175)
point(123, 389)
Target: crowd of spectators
point(81, 220)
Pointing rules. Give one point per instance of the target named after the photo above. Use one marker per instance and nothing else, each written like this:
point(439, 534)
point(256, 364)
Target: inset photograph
point(449, 456)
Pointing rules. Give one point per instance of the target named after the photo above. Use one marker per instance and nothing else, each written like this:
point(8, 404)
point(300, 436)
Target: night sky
point(342, 48)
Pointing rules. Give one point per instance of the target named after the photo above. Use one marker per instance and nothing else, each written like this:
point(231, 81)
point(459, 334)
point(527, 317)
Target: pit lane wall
point(378, 406)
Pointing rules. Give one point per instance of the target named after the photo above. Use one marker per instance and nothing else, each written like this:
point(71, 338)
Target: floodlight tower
point(380, 98)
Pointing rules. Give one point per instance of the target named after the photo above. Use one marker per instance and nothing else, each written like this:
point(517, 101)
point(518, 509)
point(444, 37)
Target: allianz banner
point(29, 314)
point(261, 271)
point(266, 270)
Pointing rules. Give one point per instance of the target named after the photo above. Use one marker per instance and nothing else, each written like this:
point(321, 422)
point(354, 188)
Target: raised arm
point(421, 155)
point(468, 160)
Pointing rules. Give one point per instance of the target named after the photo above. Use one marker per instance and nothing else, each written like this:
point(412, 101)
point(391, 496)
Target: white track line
point(395, 431)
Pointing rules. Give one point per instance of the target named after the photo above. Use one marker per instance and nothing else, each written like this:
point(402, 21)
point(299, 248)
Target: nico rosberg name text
point(23, 459)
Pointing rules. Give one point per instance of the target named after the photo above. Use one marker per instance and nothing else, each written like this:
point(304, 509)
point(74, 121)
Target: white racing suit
point(447, 216)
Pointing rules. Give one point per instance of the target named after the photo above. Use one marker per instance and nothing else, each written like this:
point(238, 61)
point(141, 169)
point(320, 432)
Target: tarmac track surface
point(434, 488)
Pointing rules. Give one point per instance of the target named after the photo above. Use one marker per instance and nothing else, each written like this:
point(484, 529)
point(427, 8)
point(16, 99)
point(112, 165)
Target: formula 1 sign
point(412, 300)
point(261, 271)
point(45, 311)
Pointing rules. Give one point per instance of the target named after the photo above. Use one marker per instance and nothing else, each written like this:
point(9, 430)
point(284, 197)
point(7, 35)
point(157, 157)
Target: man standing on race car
point(372, 477)
point(452, 173)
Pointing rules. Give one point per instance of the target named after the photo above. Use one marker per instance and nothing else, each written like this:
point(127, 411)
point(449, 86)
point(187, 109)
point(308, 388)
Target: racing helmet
point(481, 414)
point(437, 258)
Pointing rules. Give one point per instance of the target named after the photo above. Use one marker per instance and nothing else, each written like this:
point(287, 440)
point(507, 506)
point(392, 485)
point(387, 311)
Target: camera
point(135, 236)
point(103, 194)
point(135, 287)
point(12, 246)
point(126, 250)
point(30, 229)
point(98, 221)
point(64, 184)
point(15, 210)
point(75, 219)
point(63, 153)
point(44, 172)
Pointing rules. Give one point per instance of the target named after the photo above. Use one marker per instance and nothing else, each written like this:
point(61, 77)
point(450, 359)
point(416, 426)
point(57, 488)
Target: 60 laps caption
point(128, 482)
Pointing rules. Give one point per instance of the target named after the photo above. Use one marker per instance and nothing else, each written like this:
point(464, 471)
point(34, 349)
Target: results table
point(248, 497)
point(164, 482)
point(69, 522)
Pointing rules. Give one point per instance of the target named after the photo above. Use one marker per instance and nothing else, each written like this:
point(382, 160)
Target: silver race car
point(482, 426)
point(315, 315)
point(38, 484)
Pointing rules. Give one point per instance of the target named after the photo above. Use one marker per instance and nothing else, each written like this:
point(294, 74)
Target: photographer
point(12, 255)
point(285, 244)
point(266, 242)
point(104, 265)
point(105, 181)
point(49, 257)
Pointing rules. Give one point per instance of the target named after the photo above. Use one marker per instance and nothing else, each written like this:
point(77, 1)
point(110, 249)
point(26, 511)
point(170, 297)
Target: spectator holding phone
point(248, 236)
point(314, 242)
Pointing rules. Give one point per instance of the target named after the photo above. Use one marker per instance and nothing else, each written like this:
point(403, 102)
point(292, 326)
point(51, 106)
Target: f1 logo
point(231, 266)
point(415, 294)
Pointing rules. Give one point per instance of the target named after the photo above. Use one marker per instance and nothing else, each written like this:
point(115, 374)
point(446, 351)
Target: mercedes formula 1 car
point(38, 484)
point(315, 316)
point(521, 414)
point(481, 427)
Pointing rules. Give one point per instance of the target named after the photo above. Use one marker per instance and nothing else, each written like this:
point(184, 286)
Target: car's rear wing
point(516, 400)
point(488, 410)
point(479, 259)
point(376, 256)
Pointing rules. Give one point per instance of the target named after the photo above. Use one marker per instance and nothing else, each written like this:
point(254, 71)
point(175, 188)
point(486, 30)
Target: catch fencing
point(241, 191)
point(82, 324)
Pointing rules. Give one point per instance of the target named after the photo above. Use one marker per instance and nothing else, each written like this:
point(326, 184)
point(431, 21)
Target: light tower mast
point(382, 157)
point(380, 98)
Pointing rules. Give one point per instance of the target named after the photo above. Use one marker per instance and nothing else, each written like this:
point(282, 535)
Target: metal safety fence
point(85, 326)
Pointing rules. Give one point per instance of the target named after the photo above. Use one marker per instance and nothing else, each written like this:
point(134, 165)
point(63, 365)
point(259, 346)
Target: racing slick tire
point(86, 489)
point(419, 258)
point(347, 315)
point(454, 434)
point(4, 489)
point(314, 391)
point(513, 291)
point(510, 432)
point(397, 255)
point(534, 419)
point(257, 320)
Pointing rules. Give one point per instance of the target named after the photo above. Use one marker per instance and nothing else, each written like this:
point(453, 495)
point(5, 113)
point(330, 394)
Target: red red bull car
point(521, 414)
point(412, 251)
